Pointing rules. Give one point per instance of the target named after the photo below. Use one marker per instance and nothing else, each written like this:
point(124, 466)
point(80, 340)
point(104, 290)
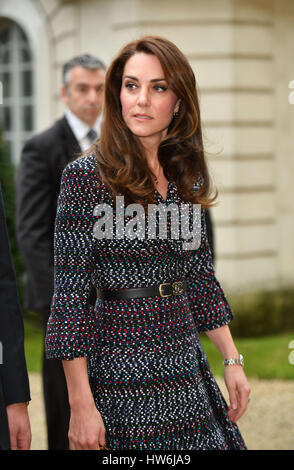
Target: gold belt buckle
point(160, 289)
point(178, 287)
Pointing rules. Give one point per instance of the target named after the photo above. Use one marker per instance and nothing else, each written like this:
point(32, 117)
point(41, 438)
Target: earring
point(178, 105)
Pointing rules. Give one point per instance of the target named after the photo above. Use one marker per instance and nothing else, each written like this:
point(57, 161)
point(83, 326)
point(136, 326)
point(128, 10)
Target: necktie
point(92, 135)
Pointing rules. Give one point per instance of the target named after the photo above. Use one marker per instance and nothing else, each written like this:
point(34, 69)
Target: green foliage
point(34, 341)
point(7, 181)
point(263, 313)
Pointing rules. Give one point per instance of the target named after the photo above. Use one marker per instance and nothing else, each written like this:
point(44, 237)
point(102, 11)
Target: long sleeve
point(71, 328)
point(207, 300)
point(13, 369)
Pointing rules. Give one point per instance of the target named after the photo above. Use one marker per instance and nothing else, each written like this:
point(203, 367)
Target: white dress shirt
point(81, 129)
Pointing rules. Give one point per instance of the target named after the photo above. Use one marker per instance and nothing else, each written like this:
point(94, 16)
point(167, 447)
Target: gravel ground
point(266, 425)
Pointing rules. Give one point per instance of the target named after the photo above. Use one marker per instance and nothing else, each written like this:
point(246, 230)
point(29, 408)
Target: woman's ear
point(177, 107)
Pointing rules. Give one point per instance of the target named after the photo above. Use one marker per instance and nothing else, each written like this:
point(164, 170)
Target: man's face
point(84, 95)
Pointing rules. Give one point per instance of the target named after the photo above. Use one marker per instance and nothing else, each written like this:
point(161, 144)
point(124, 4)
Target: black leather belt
point(165, 289)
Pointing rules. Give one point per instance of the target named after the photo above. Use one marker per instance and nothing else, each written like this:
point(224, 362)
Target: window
point(16, 77)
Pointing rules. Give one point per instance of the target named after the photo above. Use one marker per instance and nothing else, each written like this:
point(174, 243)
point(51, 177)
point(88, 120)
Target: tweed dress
point(149, 375)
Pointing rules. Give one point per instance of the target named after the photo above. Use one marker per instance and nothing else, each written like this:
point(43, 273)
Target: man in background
point(39, 176)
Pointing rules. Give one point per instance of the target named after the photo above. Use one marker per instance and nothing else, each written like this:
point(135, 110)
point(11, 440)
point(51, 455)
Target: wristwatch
point(234, 361)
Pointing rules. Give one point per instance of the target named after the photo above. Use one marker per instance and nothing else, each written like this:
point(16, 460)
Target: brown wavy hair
point(121, 158)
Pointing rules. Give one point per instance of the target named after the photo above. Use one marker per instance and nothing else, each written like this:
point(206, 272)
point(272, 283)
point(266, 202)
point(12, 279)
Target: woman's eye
point(131, 86)
point(160, 88)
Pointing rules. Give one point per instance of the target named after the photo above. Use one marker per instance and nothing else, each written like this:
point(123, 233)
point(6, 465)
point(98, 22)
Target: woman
point(136, 372)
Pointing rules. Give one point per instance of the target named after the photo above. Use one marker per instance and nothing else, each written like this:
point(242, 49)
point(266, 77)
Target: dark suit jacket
point(38, 184)
point(14, 383)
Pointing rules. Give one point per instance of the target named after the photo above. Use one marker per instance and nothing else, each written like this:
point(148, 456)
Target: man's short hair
point(85, 60)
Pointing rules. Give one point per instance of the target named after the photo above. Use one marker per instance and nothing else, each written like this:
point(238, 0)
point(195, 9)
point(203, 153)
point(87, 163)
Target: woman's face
point(147, 101)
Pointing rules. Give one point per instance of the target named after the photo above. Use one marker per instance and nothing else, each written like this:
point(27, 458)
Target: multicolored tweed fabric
point(149, 375)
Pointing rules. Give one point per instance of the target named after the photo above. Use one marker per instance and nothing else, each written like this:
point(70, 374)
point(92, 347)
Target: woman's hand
point(86, 428)
point(239, 390)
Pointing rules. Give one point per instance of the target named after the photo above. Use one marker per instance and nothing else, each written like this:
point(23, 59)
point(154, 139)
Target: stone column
point(284, 136)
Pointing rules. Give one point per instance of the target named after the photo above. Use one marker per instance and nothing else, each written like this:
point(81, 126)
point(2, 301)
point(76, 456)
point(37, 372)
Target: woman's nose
point(143, 98)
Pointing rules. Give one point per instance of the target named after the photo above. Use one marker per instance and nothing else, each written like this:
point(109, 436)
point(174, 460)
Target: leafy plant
point(8, 186)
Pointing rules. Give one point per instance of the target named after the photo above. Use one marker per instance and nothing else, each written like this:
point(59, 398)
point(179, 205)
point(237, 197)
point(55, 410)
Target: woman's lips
point(142, 116)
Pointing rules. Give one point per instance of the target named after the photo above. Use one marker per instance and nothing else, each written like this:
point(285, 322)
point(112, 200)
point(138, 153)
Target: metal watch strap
point(234, 361)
